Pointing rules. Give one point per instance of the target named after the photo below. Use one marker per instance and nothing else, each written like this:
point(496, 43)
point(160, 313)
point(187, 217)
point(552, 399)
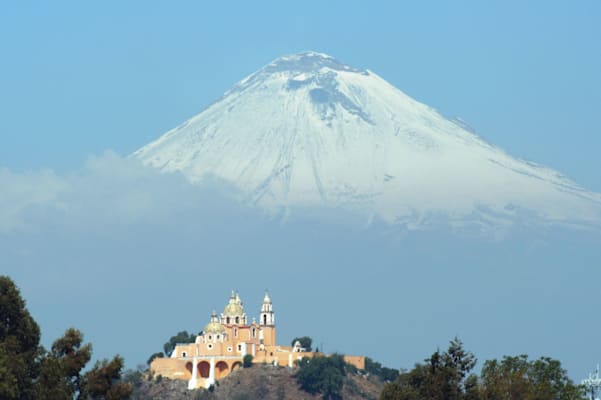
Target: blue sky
point(91, 238)
point(80, 78)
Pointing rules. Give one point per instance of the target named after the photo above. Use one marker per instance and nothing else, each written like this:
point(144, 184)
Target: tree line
point(448, 376)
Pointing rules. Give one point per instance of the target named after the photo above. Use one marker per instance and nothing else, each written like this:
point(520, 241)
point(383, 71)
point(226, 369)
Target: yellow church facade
point(226, 339)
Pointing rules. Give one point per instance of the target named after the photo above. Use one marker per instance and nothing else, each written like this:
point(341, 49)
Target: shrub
point(247, 361)
point(385, 373)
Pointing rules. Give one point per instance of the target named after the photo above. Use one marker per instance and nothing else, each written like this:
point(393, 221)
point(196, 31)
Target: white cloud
point(108, 191)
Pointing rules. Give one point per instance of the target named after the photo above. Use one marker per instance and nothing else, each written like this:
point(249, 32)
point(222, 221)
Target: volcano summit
point(308, 131)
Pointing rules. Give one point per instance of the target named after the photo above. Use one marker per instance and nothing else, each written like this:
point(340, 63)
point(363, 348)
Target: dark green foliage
point(103, 381)
point(446, 376)
point(181, 337)
point(27, 371)
point(442, 376)
point(385, 373)
point(519, 378)
point(19, 344)
point(72, 355)
point(305, 341)
point(247, 361)
point(60, 369)
point(323, 375)
point(153, 356)
point(52, 382)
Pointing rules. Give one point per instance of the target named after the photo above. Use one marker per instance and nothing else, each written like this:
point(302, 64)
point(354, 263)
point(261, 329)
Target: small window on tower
point(237, 320)
point(184, 354)
point(264, 319)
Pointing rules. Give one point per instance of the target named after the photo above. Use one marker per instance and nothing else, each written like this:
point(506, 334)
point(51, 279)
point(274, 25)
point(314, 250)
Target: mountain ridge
point(306, 130)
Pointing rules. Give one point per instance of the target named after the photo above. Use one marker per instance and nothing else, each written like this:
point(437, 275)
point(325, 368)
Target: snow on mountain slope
point(308, 131)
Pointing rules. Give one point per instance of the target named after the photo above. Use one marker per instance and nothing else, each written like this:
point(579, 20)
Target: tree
point(446, 376)
point(305, 342)
point(52, 382)
point(384, 373)
point(323, 375)
point(247, 361)
point(28, 371)
point(181, 337)
point(19, 344)
point(442, 376)
point(60, 369)
point(519, 378)
point(103, 381)
point(73, 355)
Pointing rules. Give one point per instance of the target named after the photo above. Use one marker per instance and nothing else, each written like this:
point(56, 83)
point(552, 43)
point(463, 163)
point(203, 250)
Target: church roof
point(233, 310)
point(234, 307)
point(214, 326)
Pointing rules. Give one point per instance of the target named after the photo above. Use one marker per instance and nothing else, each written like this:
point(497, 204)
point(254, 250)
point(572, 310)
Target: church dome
point(233, 310)
point(214, 328)
point(234, 307)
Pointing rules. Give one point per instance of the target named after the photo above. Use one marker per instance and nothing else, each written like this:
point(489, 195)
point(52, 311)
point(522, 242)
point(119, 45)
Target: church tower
point(267, 321)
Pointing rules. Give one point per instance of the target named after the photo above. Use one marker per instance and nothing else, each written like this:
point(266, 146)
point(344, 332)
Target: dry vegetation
point(258, 382)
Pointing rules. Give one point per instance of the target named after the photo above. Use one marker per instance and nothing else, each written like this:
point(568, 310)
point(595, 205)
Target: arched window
point(264, 319)
point(237, 320)
point(235, 332)
point(254, 333)
point(227, 320)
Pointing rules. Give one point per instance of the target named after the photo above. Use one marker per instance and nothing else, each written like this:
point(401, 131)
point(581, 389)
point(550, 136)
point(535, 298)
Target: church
point(221, 346)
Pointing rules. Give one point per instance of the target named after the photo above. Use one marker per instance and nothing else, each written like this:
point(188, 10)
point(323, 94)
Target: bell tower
point(267, 321)
point(267, 315)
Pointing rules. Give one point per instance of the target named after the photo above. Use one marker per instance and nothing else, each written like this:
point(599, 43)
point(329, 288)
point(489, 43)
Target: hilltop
point(258, 382)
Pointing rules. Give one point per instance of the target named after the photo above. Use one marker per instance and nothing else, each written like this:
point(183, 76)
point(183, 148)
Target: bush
point(247, 361)
point(305, 341)
point(153, 356)
point(181, 337)
point(133, 377)
point(384, 373)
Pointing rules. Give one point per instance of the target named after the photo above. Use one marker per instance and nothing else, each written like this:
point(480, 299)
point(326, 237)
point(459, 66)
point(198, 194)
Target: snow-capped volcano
point(307, 130)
